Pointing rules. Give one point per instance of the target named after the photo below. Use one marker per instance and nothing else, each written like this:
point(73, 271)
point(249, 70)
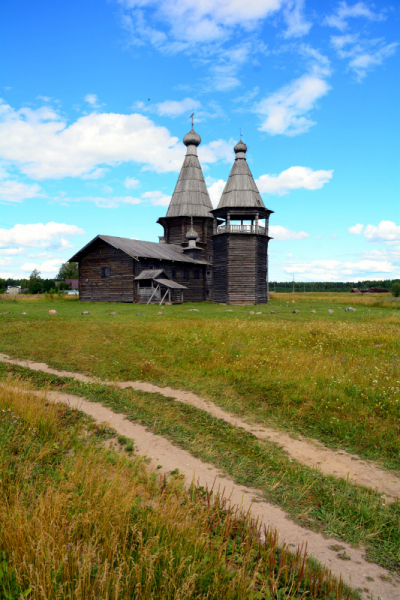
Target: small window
point(173, 274)
point(208, 275)
point(105, 272)
point(196, 274)
point(208, 294)
point(185, 274)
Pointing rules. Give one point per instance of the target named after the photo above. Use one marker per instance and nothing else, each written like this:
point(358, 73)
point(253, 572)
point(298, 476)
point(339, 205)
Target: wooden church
point(219, 255)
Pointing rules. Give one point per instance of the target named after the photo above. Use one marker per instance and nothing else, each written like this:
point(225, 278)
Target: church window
point(173, 274)
point(105, 272)
point(196, 274)
point(185, 274)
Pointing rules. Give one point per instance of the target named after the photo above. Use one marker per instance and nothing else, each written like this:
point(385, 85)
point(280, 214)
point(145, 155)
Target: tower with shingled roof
point(190, 208)
point(240, 236)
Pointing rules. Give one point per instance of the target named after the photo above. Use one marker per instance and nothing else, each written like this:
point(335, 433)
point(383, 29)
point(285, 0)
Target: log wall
point(117, 287)
point(240, 268)
point(175, 230)
point(220, 269)
point(120, 286)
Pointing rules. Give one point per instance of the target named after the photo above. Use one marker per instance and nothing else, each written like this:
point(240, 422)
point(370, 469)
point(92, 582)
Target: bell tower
point(240, 238)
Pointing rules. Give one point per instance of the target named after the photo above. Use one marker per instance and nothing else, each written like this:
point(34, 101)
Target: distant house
point(74, 283)
point(13, 289)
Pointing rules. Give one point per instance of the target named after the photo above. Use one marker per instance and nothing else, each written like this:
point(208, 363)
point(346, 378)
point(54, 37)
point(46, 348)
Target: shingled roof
point(190, 197)
point(136, 248)
point(240, 190)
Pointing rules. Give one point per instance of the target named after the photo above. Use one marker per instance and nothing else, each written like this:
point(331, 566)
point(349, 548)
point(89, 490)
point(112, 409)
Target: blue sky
point(96, 97)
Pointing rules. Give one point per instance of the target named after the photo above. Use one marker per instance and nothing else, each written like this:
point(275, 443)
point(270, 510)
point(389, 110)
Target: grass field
point(121, 532)
point(331, 376)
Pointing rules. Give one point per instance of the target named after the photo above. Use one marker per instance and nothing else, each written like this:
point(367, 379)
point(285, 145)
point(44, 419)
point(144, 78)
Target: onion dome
point(192, 234)
point(240, 147)
point(240, 190)
point(192, 138)
point(190, 197)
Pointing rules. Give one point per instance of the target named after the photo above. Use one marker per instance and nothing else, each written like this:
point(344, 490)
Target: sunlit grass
point(332, 376)
point(80, 521)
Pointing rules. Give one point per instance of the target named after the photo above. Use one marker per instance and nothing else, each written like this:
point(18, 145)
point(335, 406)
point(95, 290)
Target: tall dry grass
point(79, 521)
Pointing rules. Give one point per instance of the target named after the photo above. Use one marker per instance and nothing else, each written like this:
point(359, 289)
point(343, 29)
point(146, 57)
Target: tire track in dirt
point(306, 451)
point(160, 451)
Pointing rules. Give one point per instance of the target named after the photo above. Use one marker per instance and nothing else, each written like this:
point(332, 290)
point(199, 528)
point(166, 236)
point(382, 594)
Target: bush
point(396, 290)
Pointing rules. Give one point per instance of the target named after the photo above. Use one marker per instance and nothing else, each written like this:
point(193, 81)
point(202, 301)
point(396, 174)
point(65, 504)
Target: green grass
point(322, 503)
point(78, 520)
point(334, 377)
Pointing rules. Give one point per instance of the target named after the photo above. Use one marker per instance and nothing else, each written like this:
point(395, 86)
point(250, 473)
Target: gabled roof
point(190, 197)
point(240, 190)
point(137, 248)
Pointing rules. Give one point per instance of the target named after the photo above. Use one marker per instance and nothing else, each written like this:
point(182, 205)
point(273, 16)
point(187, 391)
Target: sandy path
point(161, 451)
point(308, 452)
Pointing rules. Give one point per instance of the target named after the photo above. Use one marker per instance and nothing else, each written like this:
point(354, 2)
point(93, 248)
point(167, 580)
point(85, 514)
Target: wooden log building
point(219, 255)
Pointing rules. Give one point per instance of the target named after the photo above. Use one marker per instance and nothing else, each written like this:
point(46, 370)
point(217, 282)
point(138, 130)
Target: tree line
point(35, 284)
point(330, 286)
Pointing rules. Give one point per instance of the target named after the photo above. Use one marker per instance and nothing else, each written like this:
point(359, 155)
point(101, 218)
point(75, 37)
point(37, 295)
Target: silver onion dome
point(240, 147)
point(192, 234)
point(192, 138)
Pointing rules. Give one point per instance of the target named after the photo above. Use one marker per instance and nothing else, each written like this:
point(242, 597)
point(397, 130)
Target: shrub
point(396, 290)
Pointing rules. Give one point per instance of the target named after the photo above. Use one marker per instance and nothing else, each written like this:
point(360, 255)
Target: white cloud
point(247, 96)
point(5, 261)
point(156, 198)
point(43, 146)
point(363, 55)
point(391, 252)
point(92, 100)
point(12, 251)
point(297, 26)
point(287, 110)
point(293, 178)
point(335, 270)
point(131, 182)
point(215, 190)
point(282, 234)
point(386, 231)
point(100, 201)
point(16, 191)
point(190, 23)
point(175, 108)
point(289, 255)
point(356, 229)
point(344, 12)
point(216, 151)
point(96, 174)
point(39, 235)
point(48, 268)
point(334, 236)
point(363, 61)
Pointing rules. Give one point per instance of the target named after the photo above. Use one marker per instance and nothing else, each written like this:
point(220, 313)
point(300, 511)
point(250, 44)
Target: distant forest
point(329, 286)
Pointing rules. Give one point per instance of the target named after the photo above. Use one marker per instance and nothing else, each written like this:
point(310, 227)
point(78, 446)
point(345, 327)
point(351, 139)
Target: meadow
point(121, 532)
point(334, 377)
